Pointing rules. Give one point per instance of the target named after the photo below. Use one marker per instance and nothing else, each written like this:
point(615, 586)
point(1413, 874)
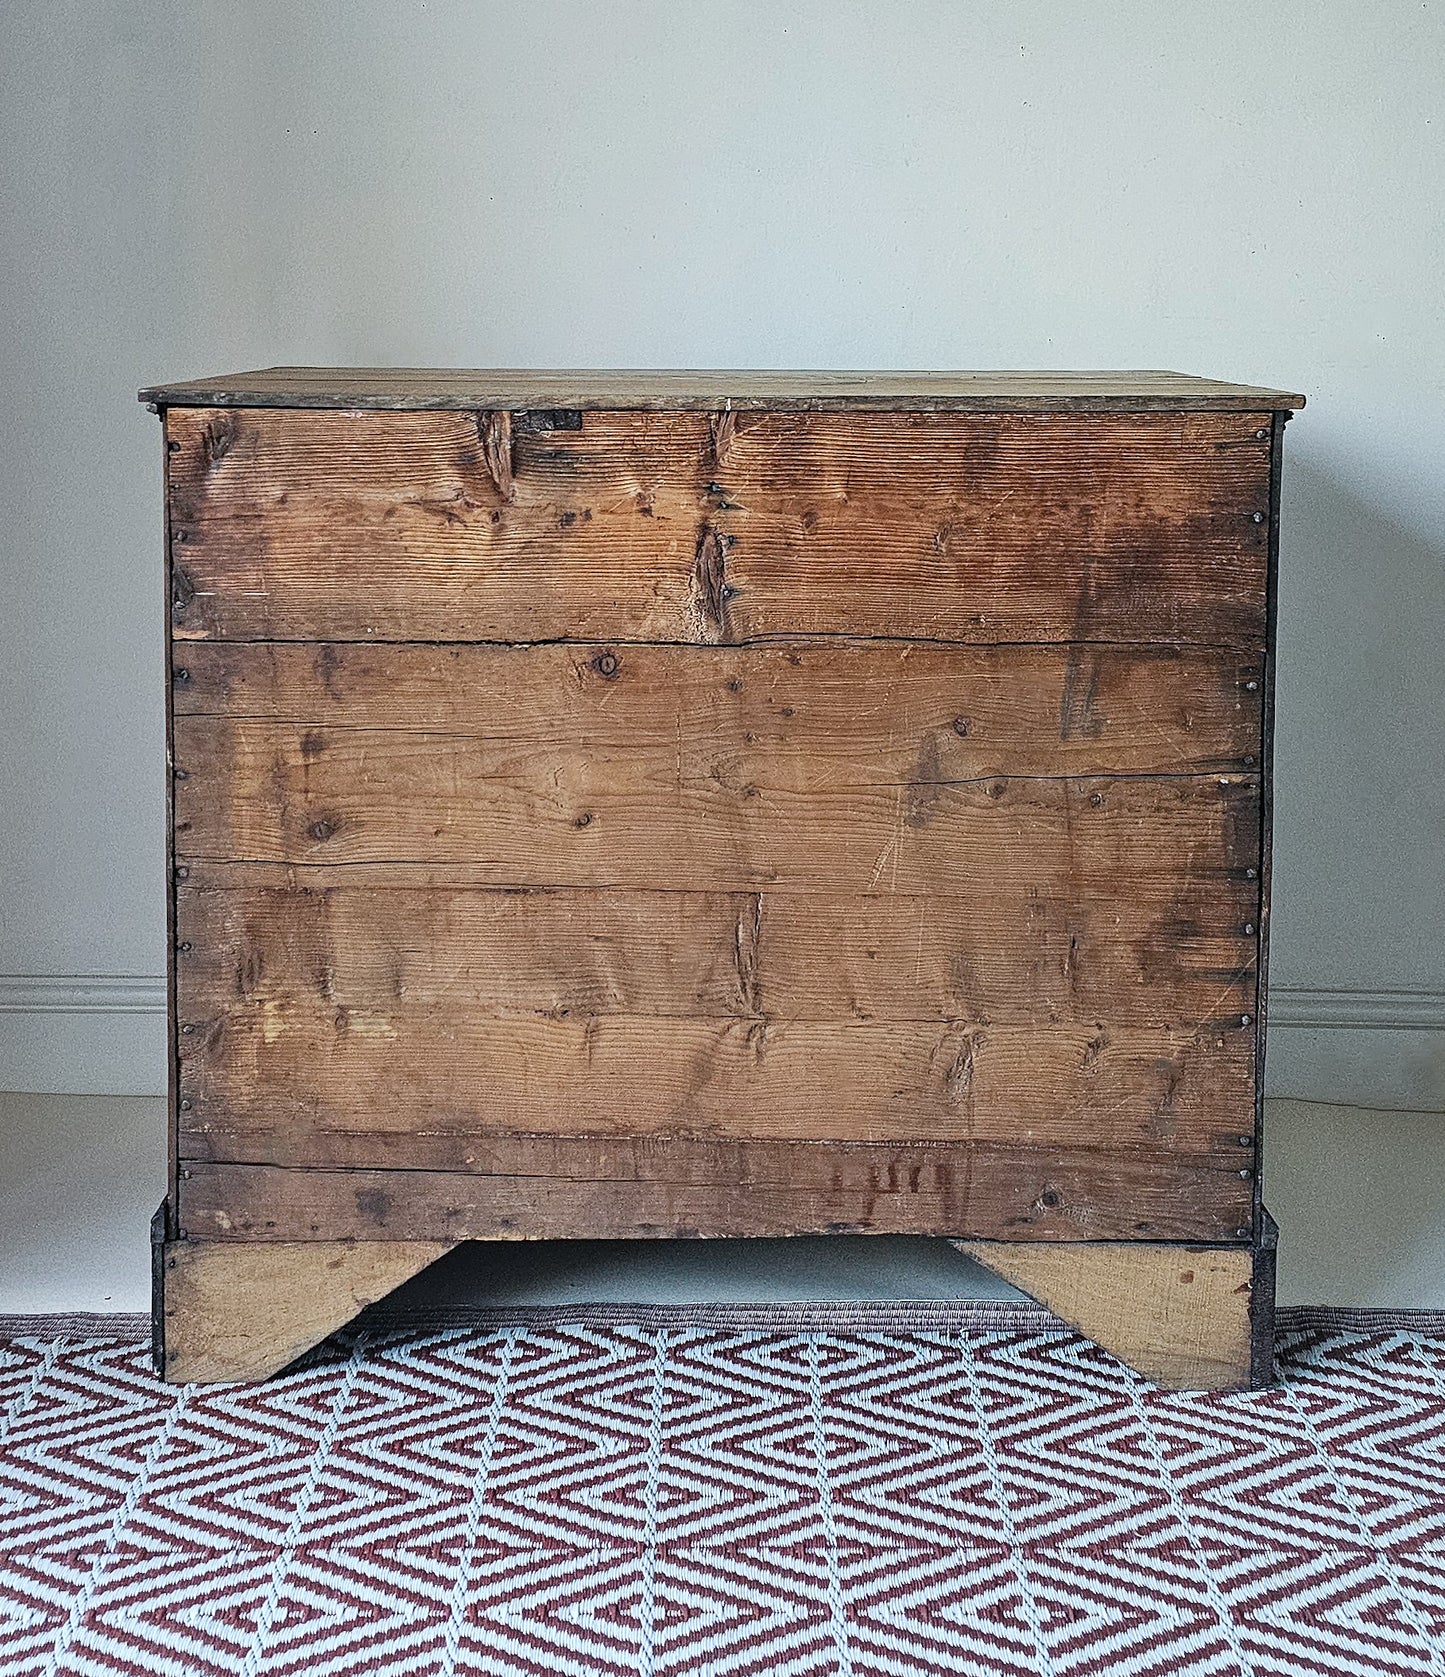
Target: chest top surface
point(839, 391)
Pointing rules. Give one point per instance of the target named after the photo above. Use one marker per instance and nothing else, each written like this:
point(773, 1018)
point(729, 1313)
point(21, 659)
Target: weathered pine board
point(523, 813)
point(884, 1167)
point(986, 1192)
point(375, 940)
point(323, 1066)
point(690, 527)
point(233, 1311)
point(431, 387)
point(848, 709)
point(1181, 1316)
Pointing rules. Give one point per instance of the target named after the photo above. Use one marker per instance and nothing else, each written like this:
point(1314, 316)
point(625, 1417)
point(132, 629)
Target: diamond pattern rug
point(585, 1494)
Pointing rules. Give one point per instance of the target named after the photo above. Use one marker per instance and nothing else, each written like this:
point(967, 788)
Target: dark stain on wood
point(218, 438)
point(1077, 717)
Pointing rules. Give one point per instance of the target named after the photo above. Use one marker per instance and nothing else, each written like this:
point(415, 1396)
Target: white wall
point(1250, 191)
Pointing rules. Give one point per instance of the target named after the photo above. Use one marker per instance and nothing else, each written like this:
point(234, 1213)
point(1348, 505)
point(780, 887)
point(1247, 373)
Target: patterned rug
point(582, 1492)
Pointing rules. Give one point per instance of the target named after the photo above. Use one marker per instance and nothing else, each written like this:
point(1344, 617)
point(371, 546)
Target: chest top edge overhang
point(424, 388)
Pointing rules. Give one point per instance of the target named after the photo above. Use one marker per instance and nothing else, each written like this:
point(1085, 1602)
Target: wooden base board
point(1191, 1318)
point(1185, 1317)
point(244, 1310)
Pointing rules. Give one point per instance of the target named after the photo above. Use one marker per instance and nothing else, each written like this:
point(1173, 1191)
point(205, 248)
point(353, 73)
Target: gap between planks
point(773, 637)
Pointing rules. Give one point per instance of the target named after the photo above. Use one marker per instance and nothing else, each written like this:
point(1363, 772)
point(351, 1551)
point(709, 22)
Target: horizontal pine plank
point(979, 1191)
point(674, 526)
point(325, 1066)
point(518, 812)
point(859, 710)
point(374, 941)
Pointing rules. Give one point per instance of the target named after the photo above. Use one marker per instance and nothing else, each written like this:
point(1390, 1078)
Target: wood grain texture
point(523, 813)
point(850, 710)
point(380, 941)
point(981, 1190)
point(1178, 1316)
point(323, 1066)
point(660, 526)
point(429, 387)
point(1060, 1201)
point(243, 1312)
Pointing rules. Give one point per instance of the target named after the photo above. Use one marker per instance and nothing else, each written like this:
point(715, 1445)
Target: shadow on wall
point(1357, 1196)
point(1359, 860)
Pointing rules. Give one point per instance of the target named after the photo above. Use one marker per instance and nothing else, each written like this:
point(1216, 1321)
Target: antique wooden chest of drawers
point(719, 804)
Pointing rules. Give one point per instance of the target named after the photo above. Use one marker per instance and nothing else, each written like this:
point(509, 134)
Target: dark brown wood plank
point(807, 1164)
point(323, 1066)
point(424, 387)
point(852, 710)
point(687, 527)
point(980, 1191)
point(252, 937)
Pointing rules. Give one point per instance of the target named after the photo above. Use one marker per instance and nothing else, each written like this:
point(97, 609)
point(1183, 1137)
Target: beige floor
point(1359, 1196)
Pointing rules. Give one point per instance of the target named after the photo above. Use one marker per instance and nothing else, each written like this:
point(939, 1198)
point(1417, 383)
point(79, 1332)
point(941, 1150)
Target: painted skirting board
point(1358, 1010)
point(93, 1034)
point(91, 993)
point(1366, 1048)
point(105, 1034)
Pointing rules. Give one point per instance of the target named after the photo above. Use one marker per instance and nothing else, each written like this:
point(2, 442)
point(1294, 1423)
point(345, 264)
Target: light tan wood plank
point(243, 1312)
point(1180, 1317)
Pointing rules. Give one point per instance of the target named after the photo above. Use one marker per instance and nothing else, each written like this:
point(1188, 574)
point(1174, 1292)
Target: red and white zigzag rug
point(584, 1493)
